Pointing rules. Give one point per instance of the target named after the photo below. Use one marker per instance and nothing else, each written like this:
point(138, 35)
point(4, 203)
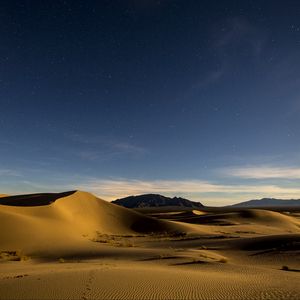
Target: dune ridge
point(238, 217)
point(72, 217)
point(79, 247)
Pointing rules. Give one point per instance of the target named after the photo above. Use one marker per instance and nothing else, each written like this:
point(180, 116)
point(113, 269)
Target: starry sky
point(199, 99)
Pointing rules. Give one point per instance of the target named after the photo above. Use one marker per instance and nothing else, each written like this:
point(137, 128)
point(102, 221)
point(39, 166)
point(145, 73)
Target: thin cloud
point(208, 193)
point(10, 172)
point(239, 31)
point(210, 79)
point(102, 147)
point(228, 38)
point(263, 172)
point(195, 189)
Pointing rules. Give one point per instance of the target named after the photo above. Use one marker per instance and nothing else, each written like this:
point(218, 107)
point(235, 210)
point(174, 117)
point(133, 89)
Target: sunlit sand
point(77, 246)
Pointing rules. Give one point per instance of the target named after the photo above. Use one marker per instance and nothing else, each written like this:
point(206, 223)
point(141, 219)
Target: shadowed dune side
point(248, 216)
point(281, 242)
point(76, 217)
point(109, 218)
point(33, 199)
point(178, 215)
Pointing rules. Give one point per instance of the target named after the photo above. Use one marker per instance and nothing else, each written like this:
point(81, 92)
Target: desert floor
point(76, 246)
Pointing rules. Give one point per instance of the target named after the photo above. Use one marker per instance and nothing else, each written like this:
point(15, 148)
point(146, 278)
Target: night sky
point(199, 99)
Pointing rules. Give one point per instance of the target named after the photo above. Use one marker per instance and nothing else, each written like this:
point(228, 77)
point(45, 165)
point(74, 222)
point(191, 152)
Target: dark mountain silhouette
point(268, 202)
point(155, 200)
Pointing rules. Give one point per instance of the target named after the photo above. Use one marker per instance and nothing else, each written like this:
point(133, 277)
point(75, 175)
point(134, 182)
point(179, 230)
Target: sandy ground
point(81, 247)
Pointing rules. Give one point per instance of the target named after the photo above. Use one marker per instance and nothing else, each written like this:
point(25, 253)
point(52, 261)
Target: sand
point(81, 247)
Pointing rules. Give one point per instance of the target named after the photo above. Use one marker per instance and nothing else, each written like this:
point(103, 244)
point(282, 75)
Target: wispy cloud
point(99, 147)
point(194, 189)
point(207, 192)
point(9, 172)
point(7, 142)
point(210, 78)
point(229, 37)
point(263, 172)
point(239, 31)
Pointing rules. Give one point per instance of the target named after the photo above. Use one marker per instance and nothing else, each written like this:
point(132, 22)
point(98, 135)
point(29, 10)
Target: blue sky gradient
point(189, 98)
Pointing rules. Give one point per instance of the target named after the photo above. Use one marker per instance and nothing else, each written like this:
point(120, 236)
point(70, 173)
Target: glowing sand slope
point(69, 219)
point(76, 246)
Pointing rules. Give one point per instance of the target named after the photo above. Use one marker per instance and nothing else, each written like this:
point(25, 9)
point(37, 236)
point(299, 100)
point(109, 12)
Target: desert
point(149, 149)
point(74, 245)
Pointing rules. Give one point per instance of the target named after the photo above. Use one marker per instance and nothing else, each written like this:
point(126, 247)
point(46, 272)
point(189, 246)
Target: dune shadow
point(265, 244)
point(33, 199)
point(160, 258)
point(291, 270)
point(198, 262)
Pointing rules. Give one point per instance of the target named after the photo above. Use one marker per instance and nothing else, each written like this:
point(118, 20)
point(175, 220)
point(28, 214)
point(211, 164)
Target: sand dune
point(74, 216)
point(257, 218)
point(76, 246)
point(282, 242)
point(178, 215)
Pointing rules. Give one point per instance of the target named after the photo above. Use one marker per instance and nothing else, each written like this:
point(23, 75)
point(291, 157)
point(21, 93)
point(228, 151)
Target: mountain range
point(155, 200)
point(268, 202)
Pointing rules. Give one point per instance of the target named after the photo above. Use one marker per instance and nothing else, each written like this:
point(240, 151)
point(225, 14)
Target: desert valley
point(74, 245)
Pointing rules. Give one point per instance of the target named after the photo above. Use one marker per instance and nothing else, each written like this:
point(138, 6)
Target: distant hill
point(155, 200)
point(268, 202)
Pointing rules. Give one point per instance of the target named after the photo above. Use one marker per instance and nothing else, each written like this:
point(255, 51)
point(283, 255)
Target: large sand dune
point(76, 246)
point(72, 217)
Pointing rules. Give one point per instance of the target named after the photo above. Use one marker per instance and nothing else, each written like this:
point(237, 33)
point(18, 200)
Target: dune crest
point(75, 216)
point(80, 246)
